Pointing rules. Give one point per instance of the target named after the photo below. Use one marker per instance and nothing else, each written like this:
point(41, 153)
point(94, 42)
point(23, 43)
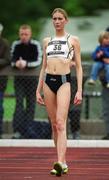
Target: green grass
point(10, 86)
point(9, 107)
point(9, 104)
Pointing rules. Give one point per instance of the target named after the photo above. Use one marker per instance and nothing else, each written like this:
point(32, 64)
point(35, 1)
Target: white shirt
point(60, 47)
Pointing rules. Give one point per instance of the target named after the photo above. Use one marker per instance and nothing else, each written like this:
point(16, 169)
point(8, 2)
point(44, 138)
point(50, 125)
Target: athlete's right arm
point(39, 98)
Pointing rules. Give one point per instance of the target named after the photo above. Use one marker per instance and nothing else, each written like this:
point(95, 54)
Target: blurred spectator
point(105, 101)
point(26, 56)
point(74, 117)
point(107, 29)
point(101, 58)
point(4, 61)
point(74, 113)
point(105, 105)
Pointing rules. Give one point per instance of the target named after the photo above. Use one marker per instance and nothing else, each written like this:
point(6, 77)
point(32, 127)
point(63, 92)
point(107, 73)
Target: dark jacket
point(4, 61)
point(30, 52)
point(4, 52)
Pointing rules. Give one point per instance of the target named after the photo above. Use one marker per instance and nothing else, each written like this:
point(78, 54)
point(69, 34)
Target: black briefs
point(55, 81)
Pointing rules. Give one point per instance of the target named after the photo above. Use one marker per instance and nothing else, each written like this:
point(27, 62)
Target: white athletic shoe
point(59, 169)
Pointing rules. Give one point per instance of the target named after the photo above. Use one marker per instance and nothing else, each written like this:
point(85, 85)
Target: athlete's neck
point(60, 33)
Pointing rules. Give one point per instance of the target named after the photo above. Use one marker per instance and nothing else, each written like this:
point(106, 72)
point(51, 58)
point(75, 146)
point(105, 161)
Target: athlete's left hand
point(39, 99)
point(78, 98)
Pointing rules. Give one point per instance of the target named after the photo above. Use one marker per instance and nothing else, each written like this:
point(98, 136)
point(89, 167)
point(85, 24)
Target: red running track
point(35, 163)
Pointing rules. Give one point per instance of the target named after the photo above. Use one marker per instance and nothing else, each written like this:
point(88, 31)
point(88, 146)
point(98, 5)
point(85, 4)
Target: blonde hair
point(62, 11)
point(103, 34)
point(25, 26)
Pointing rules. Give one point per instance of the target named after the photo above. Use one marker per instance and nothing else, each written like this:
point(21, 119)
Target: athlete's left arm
point(79, 72)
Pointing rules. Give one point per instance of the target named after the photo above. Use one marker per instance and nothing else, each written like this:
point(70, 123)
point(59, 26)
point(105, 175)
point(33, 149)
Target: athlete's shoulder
point(46, 41)
point(75, 38)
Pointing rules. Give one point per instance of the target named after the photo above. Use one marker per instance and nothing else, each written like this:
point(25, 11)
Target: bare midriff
point(59, 66)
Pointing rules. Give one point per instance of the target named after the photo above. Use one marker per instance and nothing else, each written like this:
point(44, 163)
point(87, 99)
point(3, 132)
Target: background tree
point(15, 12)
point(84, 7)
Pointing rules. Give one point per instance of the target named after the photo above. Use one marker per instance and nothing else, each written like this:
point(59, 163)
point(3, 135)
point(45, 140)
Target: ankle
point(63, 164)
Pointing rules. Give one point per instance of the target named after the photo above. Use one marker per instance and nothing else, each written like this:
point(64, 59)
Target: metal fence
point(22, 118)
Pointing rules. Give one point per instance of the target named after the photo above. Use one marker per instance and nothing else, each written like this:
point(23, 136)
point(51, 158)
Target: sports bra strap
point(68, 35)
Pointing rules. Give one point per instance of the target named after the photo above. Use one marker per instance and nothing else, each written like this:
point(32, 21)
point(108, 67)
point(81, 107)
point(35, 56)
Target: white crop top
point(60, 47)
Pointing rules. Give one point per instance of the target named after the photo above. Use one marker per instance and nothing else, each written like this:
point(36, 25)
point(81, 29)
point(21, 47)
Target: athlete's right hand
point(39, 99)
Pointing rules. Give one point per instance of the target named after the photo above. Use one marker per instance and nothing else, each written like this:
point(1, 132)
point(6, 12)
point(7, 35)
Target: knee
point(60, 125)
point(54, 127)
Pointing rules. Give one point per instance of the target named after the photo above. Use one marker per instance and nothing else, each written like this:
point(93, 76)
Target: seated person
point(101, 58)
